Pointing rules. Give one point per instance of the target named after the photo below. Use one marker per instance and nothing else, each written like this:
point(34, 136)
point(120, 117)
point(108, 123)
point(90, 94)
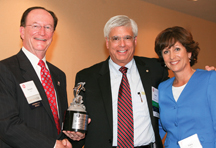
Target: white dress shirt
point(143, 130)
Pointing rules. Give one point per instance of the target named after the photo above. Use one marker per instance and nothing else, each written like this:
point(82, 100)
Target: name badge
point(190, 142)
point(31, 93)
point(155, 104)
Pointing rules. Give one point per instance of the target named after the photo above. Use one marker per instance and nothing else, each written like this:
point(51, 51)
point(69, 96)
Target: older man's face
point(121, 45)
point(38, 32)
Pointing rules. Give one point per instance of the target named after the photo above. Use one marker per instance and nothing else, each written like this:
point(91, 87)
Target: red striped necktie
point(50, 92)
point(125, 114)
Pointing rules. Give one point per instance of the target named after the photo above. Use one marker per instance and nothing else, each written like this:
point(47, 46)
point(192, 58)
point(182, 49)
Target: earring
point(165, 65)
point(189, 59)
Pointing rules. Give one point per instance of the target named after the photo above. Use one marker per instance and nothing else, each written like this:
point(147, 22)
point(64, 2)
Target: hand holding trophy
point(76, 118)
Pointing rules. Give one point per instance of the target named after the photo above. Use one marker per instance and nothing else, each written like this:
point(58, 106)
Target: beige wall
point(78, 41)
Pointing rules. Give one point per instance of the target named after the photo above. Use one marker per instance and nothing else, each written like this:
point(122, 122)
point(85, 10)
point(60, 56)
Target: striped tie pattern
point(50, 92)
point(125, 114)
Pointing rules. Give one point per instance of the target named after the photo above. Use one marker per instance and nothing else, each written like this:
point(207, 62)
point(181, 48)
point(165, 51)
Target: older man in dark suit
point(33, 94)
point(119, 102)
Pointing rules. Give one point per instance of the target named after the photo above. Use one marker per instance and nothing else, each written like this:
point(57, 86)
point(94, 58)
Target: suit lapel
point(56, 84)
point(104, 82)
point(29, 74)
point(145, 76)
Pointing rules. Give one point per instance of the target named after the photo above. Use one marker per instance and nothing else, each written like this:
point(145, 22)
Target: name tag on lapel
point(155, 104)
point(31, 93)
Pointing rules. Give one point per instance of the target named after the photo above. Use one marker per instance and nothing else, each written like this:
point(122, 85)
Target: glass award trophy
point(76, 118)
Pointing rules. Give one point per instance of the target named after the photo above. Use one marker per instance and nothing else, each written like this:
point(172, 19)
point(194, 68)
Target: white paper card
point(30, 91)
point(155, 94)
point(190, 142)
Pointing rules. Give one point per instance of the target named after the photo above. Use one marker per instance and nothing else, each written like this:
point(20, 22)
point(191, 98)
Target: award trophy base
point(75, 121)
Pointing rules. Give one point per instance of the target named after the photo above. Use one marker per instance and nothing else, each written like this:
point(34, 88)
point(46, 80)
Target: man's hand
point(210, 68)
point(63, 144)
point(76, 136)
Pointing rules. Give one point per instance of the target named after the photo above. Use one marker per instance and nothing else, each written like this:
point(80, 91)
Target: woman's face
point(176, 57)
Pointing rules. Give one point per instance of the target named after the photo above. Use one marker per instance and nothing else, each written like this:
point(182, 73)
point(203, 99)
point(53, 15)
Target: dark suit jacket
point(21, 126)
point(98, 99)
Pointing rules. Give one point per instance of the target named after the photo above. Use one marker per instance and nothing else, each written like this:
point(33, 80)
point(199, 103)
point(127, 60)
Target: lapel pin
point(147, 70)
point(58, 83)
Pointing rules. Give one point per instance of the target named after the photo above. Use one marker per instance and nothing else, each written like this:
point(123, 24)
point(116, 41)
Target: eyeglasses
point(37, 27)
point(117, 39)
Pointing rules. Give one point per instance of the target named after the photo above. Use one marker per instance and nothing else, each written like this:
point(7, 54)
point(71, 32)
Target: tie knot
point(41, 63)
point(123, 69)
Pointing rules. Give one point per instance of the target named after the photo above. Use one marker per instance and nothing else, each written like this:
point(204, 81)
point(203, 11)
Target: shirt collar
point(33, 58)
point(115, 67)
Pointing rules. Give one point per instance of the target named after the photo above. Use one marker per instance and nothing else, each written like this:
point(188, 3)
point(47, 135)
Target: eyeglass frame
point(38, 27)
point(120, 38)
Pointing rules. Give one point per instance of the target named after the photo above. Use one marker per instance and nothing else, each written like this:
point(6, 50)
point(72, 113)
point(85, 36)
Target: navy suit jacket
point(21, 126)
point(98, 99)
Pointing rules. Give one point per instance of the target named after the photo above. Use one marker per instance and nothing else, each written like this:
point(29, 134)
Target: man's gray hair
point(120, 20)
